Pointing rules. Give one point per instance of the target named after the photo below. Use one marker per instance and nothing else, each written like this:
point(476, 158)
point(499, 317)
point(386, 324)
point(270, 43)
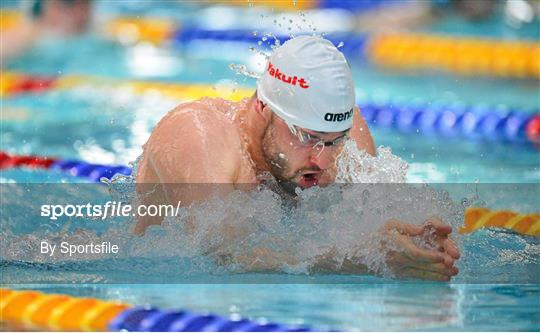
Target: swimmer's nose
point(322, 157)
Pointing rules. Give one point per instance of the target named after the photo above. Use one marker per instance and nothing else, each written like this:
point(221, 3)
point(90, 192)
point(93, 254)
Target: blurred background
point(452, 87)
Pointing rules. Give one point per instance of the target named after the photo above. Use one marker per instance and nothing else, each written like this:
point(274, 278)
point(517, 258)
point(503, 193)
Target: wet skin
point(214, 141)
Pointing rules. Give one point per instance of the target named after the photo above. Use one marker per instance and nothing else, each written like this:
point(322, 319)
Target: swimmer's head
point(308, 83)
point(308, 87)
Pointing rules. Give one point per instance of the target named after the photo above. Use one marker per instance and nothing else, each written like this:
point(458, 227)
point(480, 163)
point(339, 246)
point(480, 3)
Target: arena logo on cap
point(338, 116)
point(273, 71)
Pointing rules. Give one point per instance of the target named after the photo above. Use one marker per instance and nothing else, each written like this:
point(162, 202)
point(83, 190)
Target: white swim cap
point(308, 83)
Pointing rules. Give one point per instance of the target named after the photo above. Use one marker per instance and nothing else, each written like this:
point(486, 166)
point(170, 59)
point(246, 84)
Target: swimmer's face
point(298, 164)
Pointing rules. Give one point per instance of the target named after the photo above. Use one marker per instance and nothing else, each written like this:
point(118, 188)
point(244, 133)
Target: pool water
point(498, 289)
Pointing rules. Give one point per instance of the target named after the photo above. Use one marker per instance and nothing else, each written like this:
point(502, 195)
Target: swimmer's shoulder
point(208, 117)
point(203, 141)
point(209, 110)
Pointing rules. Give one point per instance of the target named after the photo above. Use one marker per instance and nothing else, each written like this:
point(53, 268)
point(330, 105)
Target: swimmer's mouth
point(310, 179)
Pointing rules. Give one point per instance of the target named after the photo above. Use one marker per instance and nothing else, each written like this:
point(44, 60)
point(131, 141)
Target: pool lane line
point(12, 84)
point(474, 122)
point(457, 121)
point(29, 309)
point(89, 171)
point(479, 217)
point(468, 56)
point(457, 55)
point(405, 51)
point(29, 161)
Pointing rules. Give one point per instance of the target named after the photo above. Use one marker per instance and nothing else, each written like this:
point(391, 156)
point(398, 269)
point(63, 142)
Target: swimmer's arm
point(361, 134)
point(182, 164)
point(264, 260)
point(328, 263)
point(403, 257)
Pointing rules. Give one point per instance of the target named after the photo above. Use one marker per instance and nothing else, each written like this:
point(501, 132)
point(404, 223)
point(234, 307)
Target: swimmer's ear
point(263, 111)
point(259, 106)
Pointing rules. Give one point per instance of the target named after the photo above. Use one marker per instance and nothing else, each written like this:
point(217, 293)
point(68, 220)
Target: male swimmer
point(294, 127)
point(45, 18)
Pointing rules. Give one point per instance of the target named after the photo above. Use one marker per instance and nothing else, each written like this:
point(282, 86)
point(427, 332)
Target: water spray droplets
point(240, 69)
point(355, 166)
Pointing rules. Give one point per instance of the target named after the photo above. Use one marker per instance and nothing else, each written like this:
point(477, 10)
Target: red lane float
point(89, 171)
point(36, 162)
point(533, 130)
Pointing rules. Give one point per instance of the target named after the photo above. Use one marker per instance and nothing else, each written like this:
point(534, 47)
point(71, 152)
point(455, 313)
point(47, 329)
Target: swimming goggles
point(310, 140)
point(307, 139)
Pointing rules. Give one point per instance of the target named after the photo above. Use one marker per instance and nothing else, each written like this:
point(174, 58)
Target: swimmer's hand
point(433, 261)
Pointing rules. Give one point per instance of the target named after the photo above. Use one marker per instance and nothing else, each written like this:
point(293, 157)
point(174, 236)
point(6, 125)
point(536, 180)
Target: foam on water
point(355, 166)
point(267, 230)
point(263, 229)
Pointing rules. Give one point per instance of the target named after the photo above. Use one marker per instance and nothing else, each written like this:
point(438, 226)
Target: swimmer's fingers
point(401, 261)
point(408, 269)
point(403, 227)
point(436, 226)
point(418, 254)
point(433, 225)
point(442, 231)
point(451, 248)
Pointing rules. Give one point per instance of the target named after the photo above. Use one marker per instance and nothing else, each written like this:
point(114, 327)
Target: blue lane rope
point(452, 121)
point(139, 319)
point(473, 123)
point(90, 171)
point(90, 314)
point(352, 43)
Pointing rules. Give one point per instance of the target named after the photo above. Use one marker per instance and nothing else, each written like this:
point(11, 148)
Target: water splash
point(355, 166)
point(266, 228)
point(241, 69)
